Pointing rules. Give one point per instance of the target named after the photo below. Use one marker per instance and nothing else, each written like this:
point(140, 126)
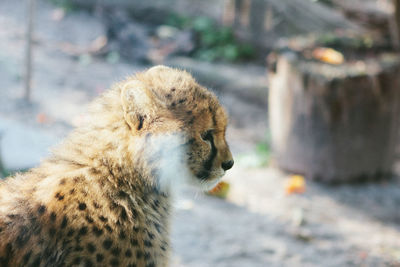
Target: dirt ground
point(258, 225)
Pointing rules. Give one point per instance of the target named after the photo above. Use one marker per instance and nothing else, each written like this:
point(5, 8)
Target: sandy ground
point(258, 225)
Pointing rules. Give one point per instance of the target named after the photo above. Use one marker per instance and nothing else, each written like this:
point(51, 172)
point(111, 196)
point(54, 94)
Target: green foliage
point(177, 21)
point(260, 157)
point(4, 173)
point(263, 151)
point(324, 2)
point(66, 5)
point(332, 40)
point(213, 42)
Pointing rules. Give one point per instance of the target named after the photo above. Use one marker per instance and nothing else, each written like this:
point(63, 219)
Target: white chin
point(210, 184)
point(206, 184)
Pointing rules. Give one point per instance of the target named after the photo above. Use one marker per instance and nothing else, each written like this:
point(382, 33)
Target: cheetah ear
point(137, 104)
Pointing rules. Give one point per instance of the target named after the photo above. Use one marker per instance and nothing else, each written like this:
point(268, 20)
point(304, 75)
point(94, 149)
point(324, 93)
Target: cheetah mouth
point(203, 175)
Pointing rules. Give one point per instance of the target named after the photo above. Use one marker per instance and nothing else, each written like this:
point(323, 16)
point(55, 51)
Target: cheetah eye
point(208, 135)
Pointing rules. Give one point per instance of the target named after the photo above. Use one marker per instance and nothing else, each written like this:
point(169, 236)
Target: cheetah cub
point(104, 196)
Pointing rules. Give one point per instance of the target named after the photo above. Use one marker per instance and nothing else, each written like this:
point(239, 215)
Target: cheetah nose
point(227, 165)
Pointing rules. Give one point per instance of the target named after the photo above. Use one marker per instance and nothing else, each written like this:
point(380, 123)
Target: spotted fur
point(103, 197)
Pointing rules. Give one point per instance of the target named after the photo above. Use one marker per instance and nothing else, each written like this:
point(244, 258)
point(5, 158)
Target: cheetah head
point(168, 105)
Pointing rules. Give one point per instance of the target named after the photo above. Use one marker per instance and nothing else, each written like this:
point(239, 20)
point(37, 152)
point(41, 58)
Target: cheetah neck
point(107, 146)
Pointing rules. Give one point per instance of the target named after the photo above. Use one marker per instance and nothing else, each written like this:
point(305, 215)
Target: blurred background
point(312, 88)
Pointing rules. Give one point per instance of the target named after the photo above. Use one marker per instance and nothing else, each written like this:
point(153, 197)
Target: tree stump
point(335, 123)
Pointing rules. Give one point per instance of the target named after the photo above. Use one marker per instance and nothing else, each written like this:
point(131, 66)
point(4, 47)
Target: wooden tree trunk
point(335, 123)
point(29, 49)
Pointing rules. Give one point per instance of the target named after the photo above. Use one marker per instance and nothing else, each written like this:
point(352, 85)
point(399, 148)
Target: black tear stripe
point(205, 173)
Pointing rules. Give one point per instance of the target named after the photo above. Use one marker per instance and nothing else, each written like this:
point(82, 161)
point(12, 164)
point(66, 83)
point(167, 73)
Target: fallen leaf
point(295, 184)
point(328, 55)
point(220, 190)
